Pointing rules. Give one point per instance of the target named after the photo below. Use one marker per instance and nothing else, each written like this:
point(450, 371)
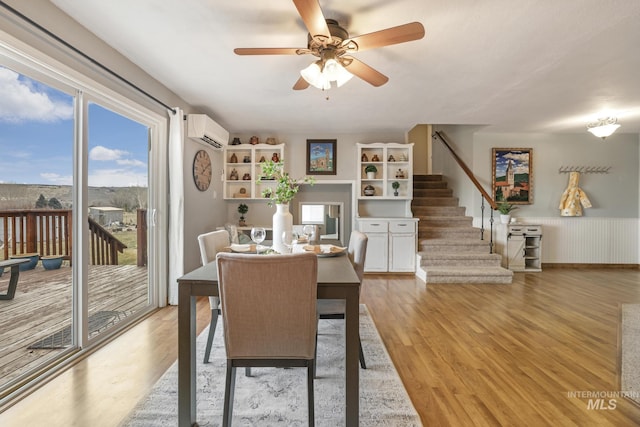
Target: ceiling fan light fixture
point(336, 72)
point(321, 75)
point(603, 127)
point(313, 75)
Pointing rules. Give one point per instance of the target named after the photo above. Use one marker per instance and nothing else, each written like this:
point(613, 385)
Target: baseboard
point(570, 265)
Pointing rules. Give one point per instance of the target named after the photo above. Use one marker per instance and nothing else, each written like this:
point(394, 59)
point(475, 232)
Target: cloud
point(135, 163)
point(117, 178)
point(57, 179)
point(101, 153)
point(21, 100)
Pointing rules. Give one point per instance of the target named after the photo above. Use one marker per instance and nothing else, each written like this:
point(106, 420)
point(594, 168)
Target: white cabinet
point(523, 248)
point(377, 232)
point(392, 244)
point(402, 245)
point(243, 168)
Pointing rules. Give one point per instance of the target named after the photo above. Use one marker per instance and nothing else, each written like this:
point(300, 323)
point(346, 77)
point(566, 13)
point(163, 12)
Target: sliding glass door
point(36, 206)
point(118, 199)
point(82, 172)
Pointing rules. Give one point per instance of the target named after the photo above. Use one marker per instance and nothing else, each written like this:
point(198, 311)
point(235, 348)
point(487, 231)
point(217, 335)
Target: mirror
point(327, 216)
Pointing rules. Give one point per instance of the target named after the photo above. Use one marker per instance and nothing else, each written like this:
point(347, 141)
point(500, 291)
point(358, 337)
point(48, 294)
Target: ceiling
point(514, 66)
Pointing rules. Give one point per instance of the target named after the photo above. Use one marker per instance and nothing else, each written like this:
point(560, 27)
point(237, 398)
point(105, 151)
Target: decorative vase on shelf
point(282, 221)
point(369, 190)
point(371, 175)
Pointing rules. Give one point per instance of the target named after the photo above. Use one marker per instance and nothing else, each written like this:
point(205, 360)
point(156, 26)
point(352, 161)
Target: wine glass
point(258, 234)
point(308, 231)
point(290, 239)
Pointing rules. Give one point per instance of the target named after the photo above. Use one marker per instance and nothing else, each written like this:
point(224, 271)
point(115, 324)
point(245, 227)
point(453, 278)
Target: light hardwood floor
point(469, 355)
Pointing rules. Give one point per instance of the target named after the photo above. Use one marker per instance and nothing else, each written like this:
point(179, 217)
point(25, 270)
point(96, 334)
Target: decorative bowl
point(33, 261)
point(51, 262)
point(369, 190)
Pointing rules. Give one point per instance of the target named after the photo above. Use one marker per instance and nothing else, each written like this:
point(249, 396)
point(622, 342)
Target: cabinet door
point(377, 252)
point(402, 254)
point(515, 252)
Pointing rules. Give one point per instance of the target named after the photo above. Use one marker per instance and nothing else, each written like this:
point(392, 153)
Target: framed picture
point(512, 175)
point(322, 157)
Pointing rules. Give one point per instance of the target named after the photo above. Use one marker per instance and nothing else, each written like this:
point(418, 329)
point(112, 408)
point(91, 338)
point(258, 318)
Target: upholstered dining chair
point(335, 308)
point(269, 315)
point(210, 244)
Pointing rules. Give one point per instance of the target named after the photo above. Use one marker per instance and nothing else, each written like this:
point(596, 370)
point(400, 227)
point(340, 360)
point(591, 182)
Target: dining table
point(337, 279)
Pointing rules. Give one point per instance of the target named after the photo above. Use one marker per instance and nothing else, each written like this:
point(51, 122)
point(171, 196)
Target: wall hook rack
point(584, 169)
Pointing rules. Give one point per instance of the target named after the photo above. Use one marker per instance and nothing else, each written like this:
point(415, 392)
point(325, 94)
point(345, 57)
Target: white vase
point(371, 175)
point(282, 221)
point(504, 219)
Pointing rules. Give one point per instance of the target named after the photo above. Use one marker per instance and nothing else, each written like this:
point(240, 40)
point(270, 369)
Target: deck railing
point(103, 245)
point(48, 232)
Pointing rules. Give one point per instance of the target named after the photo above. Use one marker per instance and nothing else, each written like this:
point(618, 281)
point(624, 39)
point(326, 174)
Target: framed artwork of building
point(512, 175)
point(321, 157)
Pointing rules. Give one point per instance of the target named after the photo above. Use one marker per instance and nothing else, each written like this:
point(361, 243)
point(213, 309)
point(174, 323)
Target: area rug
point(273, 396)
point(62, 338)
point(630, 352)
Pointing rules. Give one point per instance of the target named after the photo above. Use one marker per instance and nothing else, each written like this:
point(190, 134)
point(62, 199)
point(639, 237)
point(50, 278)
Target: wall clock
point(202, 170)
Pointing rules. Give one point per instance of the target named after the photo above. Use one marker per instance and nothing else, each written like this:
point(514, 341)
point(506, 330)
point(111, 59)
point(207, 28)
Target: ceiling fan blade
point(393, 35)
point(366, 73)
point(300, 84)
point(266, 51)
point(313, 17)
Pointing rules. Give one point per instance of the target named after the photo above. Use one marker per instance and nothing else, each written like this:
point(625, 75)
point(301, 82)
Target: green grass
point(130, 255)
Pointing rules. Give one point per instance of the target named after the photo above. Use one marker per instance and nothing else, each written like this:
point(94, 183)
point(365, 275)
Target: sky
point(520, 162)
point(36, 138)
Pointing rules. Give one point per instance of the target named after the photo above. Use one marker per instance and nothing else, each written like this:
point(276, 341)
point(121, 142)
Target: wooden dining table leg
point(186, 357)
point(352, 337)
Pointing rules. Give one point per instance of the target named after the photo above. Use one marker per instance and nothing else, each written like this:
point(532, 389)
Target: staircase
point(450, 249)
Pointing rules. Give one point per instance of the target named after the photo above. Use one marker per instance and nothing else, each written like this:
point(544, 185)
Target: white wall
point(607, 233)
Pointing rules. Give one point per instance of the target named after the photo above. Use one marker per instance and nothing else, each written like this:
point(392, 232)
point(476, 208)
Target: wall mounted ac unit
point(202, 128)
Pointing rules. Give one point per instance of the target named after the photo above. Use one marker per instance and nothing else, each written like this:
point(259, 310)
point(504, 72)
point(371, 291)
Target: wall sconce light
point(603, 127)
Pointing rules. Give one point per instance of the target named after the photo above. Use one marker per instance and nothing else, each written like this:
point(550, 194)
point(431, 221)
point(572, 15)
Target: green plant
point(286, 186)
point(242, 209)
point(371, 168)
point(505, 208)
point(395, 185)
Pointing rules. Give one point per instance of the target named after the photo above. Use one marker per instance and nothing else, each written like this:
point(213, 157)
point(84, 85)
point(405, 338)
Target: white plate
point(235, 247)
point(326, 250)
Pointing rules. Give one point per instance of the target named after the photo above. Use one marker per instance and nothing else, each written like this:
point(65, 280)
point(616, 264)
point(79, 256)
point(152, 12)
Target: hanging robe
point(573, 199)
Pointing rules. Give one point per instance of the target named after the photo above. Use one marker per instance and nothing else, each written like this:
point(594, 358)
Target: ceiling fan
point(329, 42)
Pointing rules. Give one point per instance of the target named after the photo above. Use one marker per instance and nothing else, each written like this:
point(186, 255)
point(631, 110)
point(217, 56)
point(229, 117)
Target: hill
point(24, 196)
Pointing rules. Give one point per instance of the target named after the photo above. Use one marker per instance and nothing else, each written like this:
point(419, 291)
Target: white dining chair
point(336, 308)
point(210, 244)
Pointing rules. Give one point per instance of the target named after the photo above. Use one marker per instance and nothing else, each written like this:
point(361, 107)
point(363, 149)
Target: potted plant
point(286, 187)
point(505, 211)
point(281, 194)
point(242, 209)
point(395, 185)
point(371, 170)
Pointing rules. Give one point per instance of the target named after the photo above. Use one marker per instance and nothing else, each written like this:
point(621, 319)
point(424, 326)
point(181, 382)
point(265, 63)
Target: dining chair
point(269, 315)
point(336, 308)
point(210, 244)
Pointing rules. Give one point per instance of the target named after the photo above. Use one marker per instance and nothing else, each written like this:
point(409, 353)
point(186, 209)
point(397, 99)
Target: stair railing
point(485, 196)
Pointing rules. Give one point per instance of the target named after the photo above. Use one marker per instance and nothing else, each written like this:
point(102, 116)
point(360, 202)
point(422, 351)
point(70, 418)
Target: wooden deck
point(43, 304)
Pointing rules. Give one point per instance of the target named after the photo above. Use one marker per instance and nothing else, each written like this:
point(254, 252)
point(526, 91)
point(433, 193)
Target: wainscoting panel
point(582, 240)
